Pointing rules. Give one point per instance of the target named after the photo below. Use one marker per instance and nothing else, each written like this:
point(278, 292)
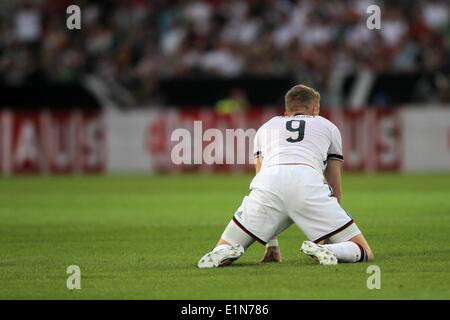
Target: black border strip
point(173, 309)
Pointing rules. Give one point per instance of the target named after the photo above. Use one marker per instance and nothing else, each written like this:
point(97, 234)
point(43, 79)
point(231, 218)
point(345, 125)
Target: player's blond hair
point(300, 96)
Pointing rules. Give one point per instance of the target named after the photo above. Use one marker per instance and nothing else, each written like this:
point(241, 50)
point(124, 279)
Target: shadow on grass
point(290, 263)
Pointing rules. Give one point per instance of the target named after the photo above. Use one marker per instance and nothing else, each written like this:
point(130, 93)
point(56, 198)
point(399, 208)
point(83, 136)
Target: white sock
point(347, 251)
point(235, 235)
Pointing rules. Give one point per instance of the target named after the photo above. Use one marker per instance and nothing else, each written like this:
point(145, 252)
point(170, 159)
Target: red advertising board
point(76, 142)
point(372, 139)
point(52, 142)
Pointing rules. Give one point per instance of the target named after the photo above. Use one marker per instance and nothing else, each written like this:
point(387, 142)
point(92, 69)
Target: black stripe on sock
point(363, 253)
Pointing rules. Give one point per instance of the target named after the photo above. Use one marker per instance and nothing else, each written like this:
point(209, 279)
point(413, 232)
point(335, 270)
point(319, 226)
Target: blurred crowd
point(136, 43)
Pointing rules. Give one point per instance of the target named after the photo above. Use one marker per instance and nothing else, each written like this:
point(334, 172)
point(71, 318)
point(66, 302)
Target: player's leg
point(231, 245)
point(361, 240)
point(259, 218)
point(235, 235)
point(353, 249)
point(347, 246)
point(321, 218)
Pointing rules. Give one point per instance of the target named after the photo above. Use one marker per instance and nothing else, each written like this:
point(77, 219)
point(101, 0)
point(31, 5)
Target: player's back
point(298, 139)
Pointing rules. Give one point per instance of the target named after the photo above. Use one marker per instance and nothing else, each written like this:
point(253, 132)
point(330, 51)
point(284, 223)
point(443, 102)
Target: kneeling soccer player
point(298, 180)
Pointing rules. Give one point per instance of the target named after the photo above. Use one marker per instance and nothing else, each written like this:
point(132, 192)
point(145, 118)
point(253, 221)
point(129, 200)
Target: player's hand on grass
point(272, 254)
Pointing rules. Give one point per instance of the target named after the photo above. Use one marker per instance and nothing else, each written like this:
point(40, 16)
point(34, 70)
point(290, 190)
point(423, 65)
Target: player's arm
point(335, 160)
point(258, 163)
point(333, 176)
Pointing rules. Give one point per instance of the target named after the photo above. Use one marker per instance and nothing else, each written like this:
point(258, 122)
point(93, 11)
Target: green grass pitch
point(141, 237)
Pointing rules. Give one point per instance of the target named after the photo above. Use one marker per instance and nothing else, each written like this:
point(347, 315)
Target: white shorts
point(284, 194)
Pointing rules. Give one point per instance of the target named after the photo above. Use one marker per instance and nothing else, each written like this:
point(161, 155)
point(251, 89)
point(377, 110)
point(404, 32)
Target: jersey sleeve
point(257, 150)
point(335, 150)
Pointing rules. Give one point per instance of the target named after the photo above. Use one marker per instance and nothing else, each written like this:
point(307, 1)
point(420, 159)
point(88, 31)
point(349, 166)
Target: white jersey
point(310, 140)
